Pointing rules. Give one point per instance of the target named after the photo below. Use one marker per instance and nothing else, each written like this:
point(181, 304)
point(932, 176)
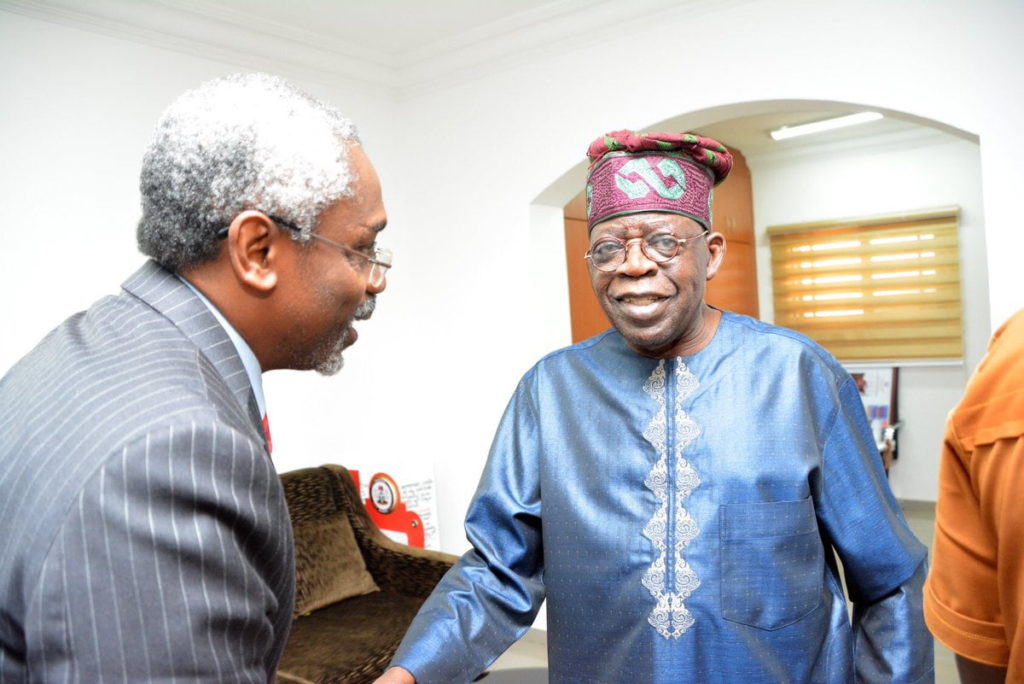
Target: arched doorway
point(743, 285)
point(911, 163)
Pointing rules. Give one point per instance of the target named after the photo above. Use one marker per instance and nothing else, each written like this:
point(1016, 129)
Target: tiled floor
point(531, 650)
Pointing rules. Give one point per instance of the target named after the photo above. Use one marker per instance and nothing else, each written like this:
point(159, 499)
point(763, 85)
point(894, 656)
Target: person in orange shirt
point(974, 595)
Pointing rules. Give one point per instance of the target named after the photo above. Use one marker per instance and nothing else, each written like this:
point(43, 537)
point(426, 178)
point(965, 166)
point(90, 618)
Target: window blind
point(870, 289)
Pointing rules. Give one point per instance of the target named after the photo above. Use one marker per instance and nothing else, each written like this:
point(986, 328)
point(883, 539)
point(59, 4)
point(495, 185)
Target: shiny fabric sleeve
point(891, 643)
point(884, 564)
point(492, 594)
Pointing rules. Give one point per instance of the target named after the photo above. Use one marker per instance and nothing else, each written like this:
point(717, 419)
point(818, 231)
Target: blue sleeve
point(492, 594)
point(891, 643)
point(883, 562)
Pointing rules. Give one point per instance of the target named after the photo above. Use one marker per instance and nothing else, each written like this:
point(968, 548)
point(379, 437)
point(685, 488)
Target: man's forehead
point(644, 222)
point(366, 232)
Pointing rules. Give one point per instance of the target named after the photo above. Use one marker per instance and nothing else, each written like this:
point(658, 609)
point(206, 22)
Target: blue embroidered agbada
point(679, 516)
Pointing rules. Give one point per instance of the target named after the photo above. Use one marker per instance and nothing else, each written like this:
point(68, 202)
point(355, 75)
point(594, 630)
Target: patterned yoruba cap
point(671, 172)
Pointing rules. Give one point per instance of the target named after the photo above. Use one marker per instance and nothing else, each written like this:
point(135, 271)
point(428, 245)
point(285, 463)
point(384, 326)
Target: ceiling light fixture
point(825, 125)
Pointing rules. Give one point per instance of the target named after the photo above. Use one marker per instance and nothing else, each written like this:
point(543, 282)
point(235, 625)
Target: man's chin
point(332, 368)
point(648, 344)
point(334, 361)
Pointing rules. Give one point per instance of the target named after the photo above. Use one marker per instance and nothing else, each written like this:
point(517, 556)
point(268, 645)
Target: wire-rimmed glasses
point(608, 253)
point(379, 262)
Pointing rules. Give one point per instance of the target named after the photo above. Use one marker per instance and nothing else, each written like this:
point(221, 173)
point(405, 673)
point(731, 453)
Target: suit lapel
point(162, 290)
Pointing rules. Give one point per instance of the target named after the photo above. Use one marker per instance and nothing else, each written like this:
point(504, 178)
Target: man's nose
point(377, 289)
point(635, 261)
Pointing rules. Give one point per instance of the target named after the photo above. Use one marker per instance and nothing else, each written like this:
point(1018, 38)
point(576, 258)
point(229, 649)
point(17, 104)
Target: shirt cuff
point(976, 639)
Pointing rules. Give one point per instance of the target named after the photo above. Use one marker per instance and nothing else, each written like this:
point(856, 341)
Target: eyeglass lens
point(379, 266)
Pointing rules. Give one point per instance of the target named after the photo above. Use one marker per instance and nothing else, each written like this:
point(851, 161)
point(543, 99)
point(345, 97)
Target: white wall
point(898, 173)
point(475, 174)
point(530, 124)
point(77, 110)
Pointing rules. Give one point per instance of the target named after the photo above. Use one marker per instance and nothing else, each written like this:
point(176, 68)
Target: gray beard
point(333, 360)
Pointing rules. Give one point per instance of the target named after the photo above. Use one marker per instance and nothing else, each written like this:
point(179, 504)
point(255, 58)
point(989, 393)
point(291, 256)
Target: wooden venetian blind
point(879, 288)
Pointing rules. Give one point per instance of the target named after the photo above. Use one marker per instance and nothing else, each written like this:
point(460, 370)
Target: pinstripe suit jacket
point(144, 534)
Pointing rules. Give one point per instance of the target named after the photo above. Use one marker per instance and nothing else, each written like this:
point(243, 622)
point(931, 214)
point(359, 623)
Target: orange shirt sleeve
point(974, 595)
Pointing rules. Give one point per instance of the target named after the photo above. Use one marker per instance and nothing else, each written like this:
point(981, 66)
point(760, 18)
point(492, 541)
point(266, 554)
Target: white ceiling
point(396, 44)
point(750, 134)
point(403, 46)
point(389, 28)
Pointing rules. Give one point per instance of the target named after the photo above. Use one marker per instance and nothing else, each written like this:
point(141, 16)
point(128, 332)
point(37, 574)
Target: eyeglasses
point(379, 263)
point(607, 254)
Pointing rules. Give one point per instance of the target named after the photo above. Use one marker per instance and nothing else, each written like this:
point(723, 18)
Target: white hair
point(247, 141)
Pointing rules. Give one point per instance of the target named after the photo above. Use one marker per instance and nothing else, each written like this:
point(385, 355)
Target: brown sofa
point(356, 590)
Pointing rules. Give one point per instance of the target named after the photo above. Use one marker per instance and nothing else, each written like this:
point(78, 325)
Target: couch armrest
point(405, 570)
point(395, 567)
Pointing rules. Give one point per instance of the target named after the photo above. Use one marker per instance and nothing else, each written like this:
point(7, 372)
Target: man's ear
point(716, 253)
point(253, 242)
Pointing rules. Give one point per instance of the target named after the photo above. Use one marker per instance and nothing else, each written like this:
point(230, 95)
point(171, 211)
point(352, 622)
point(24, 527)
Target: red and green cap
point(671, 172)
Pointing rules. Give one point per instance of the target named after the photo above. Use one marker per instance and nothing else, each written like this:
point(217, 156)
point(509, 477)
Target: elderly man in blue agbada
point(679, 488)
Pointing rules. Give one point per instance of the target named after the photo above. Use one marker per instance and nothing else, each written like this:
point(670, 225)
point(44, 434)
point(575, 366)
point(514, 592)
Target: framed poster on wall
point(878, 387)
point(400, 499)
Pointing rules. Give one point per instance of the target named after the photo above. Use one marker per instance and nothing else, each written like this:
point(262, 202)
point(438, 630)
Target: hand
point(396, 675)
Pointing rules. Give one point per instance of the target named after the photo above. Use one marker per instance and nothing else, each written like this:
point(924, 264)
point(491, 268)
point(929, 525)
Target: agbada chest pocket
point(772, 562)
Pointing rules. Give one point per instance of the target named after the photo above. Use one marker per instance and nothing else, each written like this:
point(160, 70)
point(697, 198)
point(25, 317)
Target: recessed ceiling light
point(824, 125)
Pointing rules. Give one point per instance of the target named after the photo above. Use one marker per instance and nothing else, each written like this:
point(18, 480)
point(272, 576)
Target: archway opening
point(901, 163)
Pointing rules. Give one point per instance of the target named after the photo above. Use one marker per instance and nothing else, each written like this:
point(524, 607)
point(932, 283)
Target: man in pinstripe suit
point(144, 532)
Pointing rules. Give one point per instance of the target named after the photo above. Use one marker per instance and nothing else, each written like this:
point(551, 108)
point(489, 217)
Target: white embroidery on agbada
point(670, 616)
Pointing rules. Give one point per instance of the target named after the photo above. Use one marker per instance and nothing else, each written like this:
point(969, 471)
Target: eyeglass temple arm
point(223, 233)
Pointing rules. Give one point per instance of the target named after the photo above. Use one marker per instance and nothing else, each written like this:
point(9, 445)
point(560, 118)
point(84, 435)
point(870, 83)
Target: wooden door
point(732, 214)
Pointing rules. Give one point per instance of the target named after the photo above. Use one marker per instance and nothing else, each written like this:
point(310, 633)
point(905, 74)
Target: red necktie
point(266, 431)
